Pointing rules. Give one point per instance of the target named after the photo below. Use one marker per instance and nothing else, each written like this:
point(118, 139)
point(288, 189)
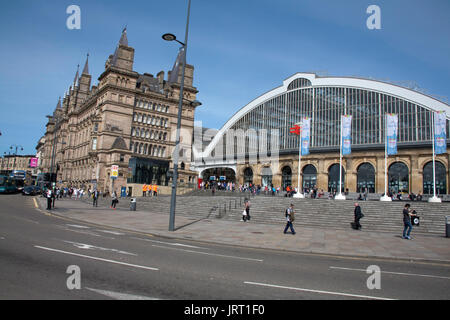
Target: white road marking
point(99, 259)
point(317, 291)
point(209, 254)
point(91, 247)
point(77, 226)
point(111, 232)
point(88, 233)
point(397, 273)
point(120, 296)
point(171, 243)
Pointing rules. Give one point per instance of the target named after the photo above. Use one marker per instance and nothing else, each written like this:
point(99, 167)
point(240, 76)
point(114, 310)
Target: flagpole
point(434, 198)
point(299, 194)
point(340, 196)
point(385, 197)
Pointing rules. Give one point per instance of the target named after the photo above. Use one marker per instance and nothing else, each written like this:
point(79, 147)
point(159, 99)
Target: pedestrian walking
point(53, 198)
point(114, 200)
point(358, 215)
point(247, 208)
point(407, 214)
point(290, 217)
point(95, 198)
point(49, 199)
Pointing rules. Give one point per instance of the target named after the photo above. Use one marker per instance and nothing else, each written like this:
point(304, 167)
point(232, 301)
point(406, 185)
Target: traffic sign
point(295, 129)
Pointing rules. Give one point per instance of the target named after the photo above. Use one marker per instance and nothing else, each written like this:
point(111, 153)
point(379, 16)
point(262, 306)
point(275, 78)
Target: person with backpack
point(95, 198)
point(407, 214)
point(289, 214)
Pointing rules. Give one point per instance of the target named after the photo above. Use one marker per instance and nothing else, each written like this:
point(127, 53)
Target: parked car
point(31, 190)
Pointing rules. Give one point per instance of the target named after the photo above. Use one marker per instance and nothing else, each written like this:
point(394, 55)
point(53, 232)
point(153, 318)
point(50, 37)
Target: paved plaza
point(315, 240)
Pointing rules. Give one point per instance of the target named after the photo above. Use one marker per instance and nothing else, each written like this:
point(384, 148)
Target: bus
point(7, 185)
point(43, 180)
point(18, 174)
point(19, 177)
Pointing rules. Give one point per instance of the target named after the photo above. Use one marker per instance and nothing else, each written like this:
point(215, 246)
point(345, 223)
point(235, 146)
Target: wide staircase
point(378, 216)
point(336, 214)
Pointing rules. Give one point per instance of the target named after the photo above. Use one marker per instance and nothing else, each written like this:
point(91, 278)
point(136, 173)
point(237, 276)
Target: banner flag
point(306, 135)
point(440, 134)
point(346, 123)
point(392, 132)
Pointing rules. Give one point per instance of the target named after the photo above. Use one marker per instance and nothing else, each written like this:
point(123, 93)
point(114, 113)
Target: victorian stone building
point(127, 120)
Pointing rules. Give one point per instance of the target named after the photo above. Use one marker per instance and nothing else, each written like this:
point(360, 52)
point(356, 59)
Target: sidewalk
point(307, 240)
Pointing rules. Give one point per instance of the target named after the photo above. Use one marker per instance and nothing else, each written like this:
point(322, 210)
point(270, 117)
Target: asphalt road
point(45, 257)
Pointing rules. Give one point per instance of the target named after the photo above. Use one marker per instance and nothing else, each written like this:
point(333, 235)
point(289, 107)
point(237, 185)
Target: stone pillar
point(416, 176)
point(379, 174)
point(322, 176)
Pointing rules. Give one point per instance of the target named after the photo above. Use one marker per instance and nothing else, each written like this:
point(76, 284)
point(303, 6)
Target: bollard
point(447, 226)
point(133, 204)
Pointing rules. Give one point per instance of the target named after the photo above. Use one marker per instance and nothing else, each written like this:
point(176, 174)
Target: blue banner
point(440, 134)
point(391, 134)
point(346, 131)
point(306, 135)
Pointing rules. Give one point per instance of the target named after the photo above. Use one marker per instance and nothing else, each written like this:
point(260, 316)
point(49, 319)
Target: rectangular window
point(94, 144)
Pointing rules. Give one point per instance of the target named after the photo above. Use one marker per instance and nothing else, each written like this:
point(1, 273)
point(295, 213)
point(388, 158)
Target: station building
point(271, 158)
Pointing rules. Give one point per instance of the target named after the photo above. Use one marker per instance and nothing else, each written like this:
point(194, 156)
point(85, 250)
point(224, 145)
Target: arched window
point(333, 178)
point(366, 178)
point(398, 178)
point(441, 178)
point(309, 176)
point(248, 176)
point(286, 177)
point(182, 166)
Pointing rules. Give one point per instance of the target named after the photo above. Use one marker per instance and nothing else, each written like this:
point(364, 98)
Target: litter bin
point(133, 204)
point(447, 226)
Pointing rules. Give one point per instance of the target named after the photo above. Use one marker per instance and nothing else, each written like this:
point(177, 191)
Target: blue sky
point(240, 49)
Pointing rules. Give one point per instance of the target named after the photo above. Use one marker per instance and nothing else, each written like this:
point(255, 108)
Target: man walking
point(49, 199)
point(289, 219)
point(358, 215)
point(407, 214)
point(95, 198)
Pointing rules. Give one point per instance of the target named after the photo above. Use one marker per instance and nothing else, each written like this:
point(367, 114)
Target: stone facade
point(414, 159)
point(126, 115)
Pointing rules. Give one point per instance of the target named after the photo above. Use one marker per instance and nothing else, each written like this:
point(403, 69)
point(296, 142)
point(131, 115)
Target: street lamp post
point(171, 37)
point(15, 153)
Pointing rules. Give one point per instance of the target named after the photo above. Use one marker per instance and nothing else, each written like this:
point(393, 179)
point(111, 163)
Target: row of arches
point(398, 177)
point(148, 149)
